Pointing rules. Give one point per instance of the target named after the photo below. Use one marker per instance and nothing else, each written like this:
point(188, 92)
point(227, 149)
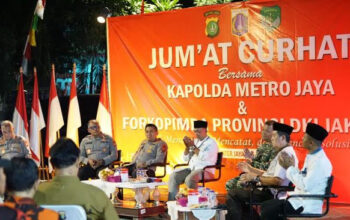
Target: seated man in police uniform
point(312, 179)
point(274, 176)
point(152, 150)
point(97, 151)
point(12, 145)
point(199, 153)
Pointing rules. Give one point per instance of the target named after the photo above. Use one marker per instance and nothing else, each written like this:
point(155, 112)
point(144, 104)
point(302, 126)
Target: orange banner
point(234, 65)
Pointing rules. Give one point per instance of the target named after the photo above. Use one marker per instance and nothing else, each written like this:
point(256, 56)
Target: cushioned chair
point(218, 165)
point(44, 173)
point(68, 212)
point(325, 197)
point(252, 186)
point(162, 165)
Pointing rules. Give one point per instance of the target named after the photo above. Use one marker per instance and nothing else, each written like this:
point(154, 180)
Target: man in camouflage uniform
point(152, 150)
point(264, 154)
point(97, 151)
point(12, 145)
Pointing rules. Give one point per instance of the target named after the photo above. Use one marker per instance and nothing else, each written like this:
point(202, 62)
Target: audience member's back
point(22, 182)
point(65, 188)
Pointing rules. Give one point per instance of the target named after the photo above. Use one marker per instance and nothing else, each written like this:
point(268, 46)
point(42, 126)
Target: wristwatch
point(257, 180)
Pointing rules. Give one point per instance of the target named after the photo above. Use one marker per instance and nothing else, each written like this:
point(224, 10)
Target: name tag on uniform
point(16, 148)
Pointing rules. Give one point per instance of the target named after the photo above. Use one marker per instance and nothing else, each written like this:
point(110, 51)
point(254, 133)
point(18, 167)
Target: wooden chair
point(117, 162)
point(218, 165)
point(44, 173)
point(163, 165)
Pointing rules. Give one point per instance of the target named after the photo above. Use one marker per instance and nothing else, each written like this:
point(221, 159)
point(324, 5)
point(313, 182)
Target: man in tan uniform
point(65, 188)
point(12, 145)
point(97, 151)
point(152, 150)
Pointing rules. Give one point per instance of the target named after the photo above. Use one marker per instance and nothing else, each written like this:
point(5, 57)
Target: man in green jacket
point(65, 188)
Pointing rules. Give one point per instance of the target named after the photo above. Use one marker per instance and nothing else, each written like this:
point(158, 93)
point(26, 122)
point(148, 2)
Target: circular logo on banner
point(212, 28)
point(212, 23)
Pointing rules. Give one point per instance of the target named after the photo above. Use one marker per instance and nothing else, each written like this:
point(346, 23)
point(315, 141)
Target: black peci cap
point(316, 131)
point(200, 124)
point(282, 127)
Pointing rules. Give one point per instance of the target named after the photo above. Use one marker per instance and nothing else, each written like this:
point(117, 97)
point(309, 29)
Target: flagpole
point(18, 78)
point(30, 28)
point(109, 103)
point(58, 132)
point(37, 10)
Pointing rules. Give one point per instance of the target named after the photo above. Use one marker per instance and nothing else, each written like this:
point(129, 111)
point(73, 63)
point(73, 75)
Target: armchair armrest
point(181, 165)
point(320, 196)
point(213, 166)
point(115, 163)
point(125, 163)
point(157, 164)
point(253, 184)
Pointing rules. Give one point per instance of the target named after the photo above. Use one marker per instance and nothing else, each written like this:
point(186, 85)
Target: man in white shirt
point(200, 152)
point(311, 180)
point(274, 176)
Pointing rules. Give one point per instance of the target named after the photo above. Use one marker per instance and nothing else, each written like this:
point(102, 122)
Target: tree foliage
point(68, 33)
point(209, 2)
point(166, 5)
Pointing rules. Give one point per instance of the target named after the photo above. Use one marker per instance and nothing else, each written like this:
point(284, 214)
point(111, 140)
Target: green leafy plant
point(209, 2)
point(166, 5)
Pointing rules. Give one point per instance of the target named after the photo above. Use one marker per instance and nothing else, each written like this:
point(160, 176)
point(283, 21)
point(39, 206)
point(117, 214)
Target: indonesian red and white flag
point(20, 121)
point(54, 116)
point(104, 116)
point(37, 121)
point(73, 121)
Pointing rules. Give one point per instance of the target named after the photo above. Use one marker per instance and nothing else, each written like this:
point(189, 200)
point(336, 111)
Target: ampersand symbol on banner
point(242, 110)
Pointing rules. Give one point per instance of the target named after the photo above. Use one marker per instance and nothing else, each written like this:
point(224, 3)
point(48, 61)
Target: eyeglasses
point(94, 127)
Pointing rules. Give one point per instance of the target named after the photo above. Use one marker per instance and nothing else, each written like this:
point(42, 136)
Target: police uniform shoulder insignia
point(114, 143)
point(164, 148)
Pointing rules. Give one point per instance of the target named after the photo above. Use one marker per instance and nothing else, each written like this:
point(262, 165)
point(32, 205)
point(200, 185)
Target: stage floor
point(337, 211)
